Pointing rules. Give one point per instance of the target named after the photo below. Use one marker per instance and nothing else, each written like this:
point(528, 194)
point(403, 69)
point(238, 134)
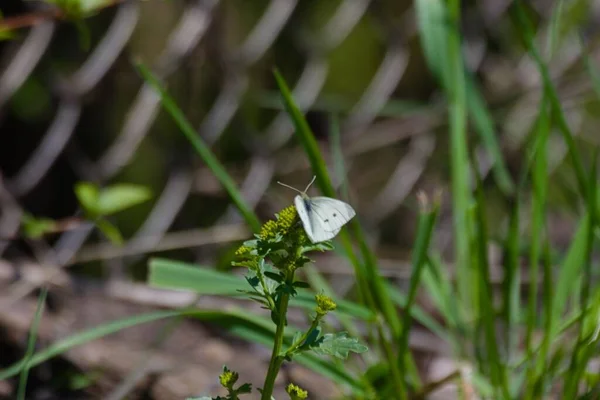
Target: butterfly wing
point(326, 217)
point(303, 212)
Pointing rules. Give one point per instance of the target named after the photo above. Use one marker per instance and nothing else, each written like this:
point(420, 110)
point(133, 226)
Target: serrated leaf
point(338, 345)
point(252, 281)
point(121, 196)
point(321, 246)
point(245, 388)
point(312, 338)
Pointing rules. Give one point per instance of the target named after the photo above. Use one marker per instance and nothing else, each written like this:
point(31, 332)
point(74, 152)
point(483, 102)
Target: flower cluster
point(324, 304)
point(282, 226)
point(295, 392)
point(278, 240)
point(228, 378)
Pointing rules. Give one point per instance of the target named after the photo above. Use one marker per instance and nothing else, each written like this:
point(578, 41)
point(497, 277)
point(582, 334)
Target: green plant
point(273, 259)
point(99, 203)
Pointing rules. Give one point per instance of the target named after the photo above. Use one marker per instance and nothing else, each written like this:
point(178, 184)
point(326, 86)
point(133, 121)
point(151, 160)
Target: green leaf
point(312, 339)
point(88, 193)
point(338, 345)
point(121, 196)
point(111, 232)
point(322, 246)
point(275, 276)
point(301, 284)
point(36, 227)
point(245, 388)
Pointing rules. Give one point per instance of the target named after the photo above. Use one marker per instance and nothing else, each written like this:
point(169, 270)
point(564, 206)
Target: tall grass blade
point(459, 163)
point(524, 26)
point(201, 148)
point(539, 155)
point(373, 288)
point(31, 343)
point(87, 336)
point(426, 224)
point(512, 282)
point(579, 359)
point(435, 26)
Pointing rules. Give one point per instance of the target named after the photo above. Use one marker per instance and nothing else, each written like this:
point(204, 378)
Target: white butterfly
point(322, 217)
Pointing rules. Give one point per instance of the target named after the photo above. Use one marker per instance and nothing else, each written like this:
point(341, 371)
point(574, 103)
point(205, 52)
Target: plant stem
point(276, 358)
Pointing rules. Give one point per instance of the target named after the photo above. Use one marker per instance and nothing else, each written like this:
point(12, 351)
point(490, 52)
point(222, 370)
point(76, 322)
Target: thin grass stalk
point(426, 224)
point(487, 313)
point(21, 391)
point(578, 361)
point(525, 28)
point(459, 163)
point(201, 148)
point(538, 209)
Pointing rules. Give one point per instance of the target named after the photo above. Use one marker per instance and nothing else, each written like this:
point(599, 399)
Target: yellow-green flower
point(286, 219)
point(243, 251)
point(268, 230)
point(324, 304)
point(295, 392)
point(228, 378)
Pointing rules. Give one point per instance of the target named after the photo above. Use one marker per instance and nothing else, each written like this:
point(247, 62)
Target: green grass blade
point(31, 344)
point(537, 232)
point(306, 138)
point(512, 282)
point(555, 28)
point(177, 275)
point(435, 26)
point(309, 144)
point(373, 286)
point(524, 25)
point(438, 284)
point(487, 314)
point(201, 148)
point(569, 271)
point(427, 219)
point(86, 336)
point(484, 125)
point(578, 357)
point(459, 162)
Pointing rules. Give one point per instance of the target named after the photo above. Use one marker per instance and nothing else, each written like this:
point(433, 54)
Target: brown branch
point(37, 17)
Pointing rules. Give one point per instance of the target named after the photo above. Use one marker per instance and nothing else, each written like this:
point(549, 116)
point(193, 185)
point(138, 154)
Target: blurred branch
point(52, 13)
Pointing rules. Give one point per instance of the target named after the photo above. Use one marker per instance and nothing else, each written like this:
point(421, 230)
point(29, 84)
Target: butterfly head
point(302, 193)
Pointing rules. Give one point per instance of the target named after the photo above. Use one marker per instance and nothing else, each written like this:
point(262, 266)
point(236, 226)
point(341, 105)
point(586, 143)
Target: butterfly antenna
point(311, 182)
point(289, 187)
